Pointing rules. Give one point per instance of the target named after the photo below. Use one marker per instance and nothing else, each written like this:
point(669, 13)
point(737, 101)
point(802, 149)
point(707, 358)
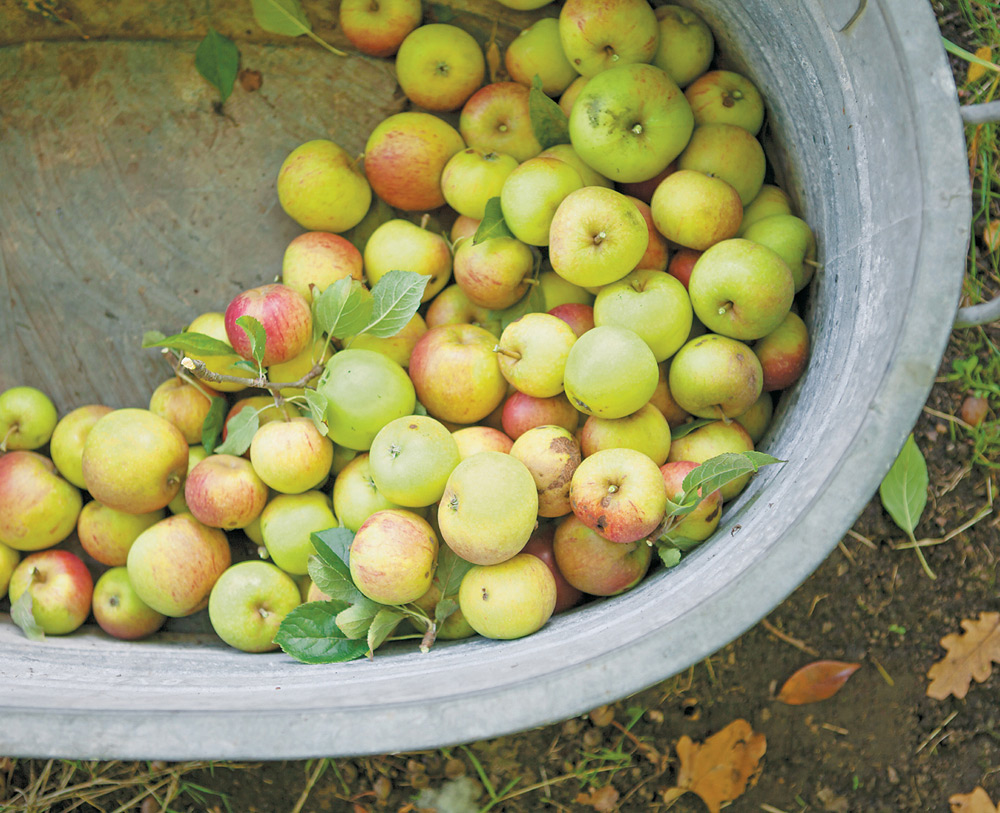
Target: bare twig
point(788, 639)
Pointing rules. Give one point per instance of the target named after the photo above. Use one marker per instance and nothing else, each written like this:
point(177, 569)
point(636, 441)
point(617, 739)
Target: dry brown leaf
point(720, 769)
point(970, 655)
point(816, 681)
point(976, 802)
point(977, 71)
point(603, 800)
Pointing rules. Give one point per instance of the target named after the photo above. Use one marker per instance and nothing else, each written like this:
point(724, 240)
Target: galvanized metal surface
point(865, 124)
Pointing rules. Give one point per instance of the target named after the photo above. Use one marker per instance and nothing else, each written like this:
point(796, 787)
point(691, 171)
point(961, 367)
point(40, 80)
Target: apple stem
point(600, 237)
point(36, 575)
point(263, 612)
point(813, 263)
point(637, 128)
point(199, 370)
point(10, 431)
point(531, 281)
point(722, 415)
point(612, 488)
point(429, 637)
point(509, 353)
point(424, 220)
point(724, 309)
point(263, 552)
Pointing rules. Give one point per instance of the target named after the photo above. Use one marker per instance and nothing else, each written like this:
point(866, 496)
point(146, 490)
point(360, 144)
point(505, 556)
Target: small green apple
point(27, 418)
point(118, 609)
point(711, 440)
point(248, 603)
point(509, 599)
point(66, 444)
point(532, 193)
point(610, 372)
point(471, 177)
point(321, 188)
point(537, 51)
point(38, 508)
point(696, 210)
point(686, 44)
point(440, 66)
point(729, 152)
point(286, 524)
point(597, 35)
point(289, 456)
point(645, 430)
point(714, 376)
point(792, 239)
point(411, 459)
point(355, 495)
point(400, 244)
point(107, 534)
point(757, 419)
point(183, 404)
point(532, 352)
point(771, 200)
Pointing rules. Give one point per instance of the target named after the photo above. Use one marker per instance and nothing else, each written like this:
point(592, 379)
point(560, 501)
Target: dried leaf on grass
point(816, 681)
point(970, 657)
point(603, 800)
point(976, 802)
point(977, 71)
point(720, 769)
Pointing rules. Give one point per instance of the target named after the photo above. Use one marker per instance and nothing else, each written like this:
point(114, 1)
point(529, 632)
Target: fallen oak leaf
point(819, 680)
point(970, 657)
point(603, 800)
point(976, 802)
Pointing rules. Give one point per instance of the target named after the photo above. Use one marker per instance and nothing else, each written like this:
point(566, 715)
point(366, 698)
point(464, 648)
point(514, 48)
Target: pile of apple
point(612, 306)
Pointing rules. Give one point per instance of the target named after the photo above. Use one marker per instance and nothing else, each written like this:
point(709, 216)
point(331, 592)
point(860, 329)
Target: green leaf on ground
point(343, 308)
point(904, 489)
point(396, 298)
point(218, 59)
point(22, 614)
point(284, 17)
point(548, 121)
point(242, 427)
point(191, 344)
point(211, 427)
point(310, 634)
point(492, 225)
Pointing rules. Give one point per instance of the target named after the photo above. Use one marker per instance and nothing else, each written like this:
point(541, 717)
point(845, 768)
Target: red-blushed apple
point(643, 190)
point(709, 441)
point(783, 353)
point(509, 599)
point(8, 561)
point(662, 399)
point(60, 587)
point(771, 200)
point(537, 51)
point(757, 419)
point(248, 603)
point(522, 412)
point(597, 34)
point(355, 495)
point(321, 187)
point(569, 96)
point(657, 252)
point(728, 152)
point(595, 565)
point(213, 324)
point(289, 456)
point(726, 97)
point(532, 352)
point(282, 312)
point(378, 27)
point(696, 210)
point(551, 454)
point(489, 508)
point(540, 546)
point(400, 244)
point(287, 523)
point(183, 404)
point(701, 523)
point(195, 455)
point(715, 377)
point(792, 239)
point(494, 273)
point(399, 347)
point(393, 556)
point(107, 534)
point(453, 307)
point(532, 194)
point(411, 459)
point(682, 263)
point(119, 611)
point(578, 316)
point(319, 258)
point(224, 491)
point(645, 430)
point(27, 418)
point(456, 373)
point(66, 444)
point(610, 372)
point(686, 45)
point(405, 156)
point(464, 228)
point(471, 177)
point(566, 153)
point(474, 439)
point(496, 119)
point(558, 291)
point(440, 66)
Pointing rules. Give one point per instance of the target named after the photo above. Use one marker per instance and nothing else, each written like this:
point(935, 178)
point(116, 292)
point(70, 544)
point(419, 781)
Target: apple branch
point(198, 368)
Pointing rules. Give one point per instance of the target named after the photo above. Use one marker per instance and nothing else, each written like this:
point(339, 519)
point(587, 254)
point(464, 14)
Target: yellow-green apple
point(651, 303)
point(537, 51)
point(378, 27)
point(456, 373)
point(107, 534)
point(454, 627)
point(494, 273)
point(523, 412)
point(600, 34)
point(619, 493)
point(283, 313)
point(318, 258)
point(643, 190)
point(741, 289)
point(60, 587)
point(464, 228)
point(267, 411)
point(248, 603)
point(595, 565)
point(701, 523)
point(771, 200)
point(596, 236)
point(364, 391)
point(393, 556)
point(453, 307)
point(313, 593)
point(709, 441)
point(399, 347)
point(173, 564)
point(523, 5)
point(341, 457)
point(8, 561)
point(355, 495)
point(314, 356)
point(183, 404)
point(224, 491)
point(496, 118)
point(509, 599)
point(657, 251)
point(551, 454)
point(66, 444)
point(474, 439)
point(289, 456)
point(792, 239)
point(532, 193)
point(645, 430)
point(610, 372)
point(195, 455)
point(686, 44)
point(471, 177)
point(565, 152)
point(682, 263)
point(559, 291)
point(321, 187)
point(533, 351)
point(489, 508)
point(570, 95)
point(726, 97)
point(119, 611)
point(213, 324)
point(579, 317)
point(440, 66)
point(287, 522)
point(540, 546)
point(27, 418)
point(783, 353)
point(405, 156)
point(664, 401)
point(729, 152)
point(757, 419)
point(714, 376)
point(378, 212)
point(696, 210)
point(134, 461)
point(400, 244)
point(411, 460)
point(630, 122)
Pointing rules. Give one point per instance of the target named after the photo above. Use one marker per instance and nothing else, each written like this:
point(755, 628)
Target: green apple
point(66, 444)
point(696, 210)
point(597, 35)
point(726, 97)
point(551, 454)
point(610, 372)
point(27, 418)
point(289, 456)
point(686, 44)
point(8, 561)
point(489, 508)
point(715, 377)
point(195, 455)
point(711, 440)
point(454, 627)
point(393, 556)
point(411, 460)
point(183, 404)
point(494, 273)
point(248, 603)
point(651, 303)
point(533, 351)
point(60, 587)
point(509, 599)
point(213, 324)
point(497, 118)
point(729, 152)
point(474, 439)
point(565, 152)
point(321, 187)
point(107, 534)
point(784, 353)
point(471, 177)
point(378, 213)
point(318, 258)
point(38, 508)
point(440, 66)
point(400, 244)
point(537, 51)
point(558, 290)
point(453, 307)
point(225, 491)
point(630, 122)
point(378, 27)
point(286, 524)
point(532, 193)
point(595, 565)
point(645, 430)
point(757, 419)
point(399, 347)
point(701, 523)
point(771, 200)
point(118, 609)
point(792, 239)
point(355, 495)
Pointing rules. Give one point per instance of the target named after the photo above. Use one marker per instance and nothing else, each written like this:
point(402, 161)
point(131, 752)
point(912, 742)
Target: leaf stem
point(324, 43)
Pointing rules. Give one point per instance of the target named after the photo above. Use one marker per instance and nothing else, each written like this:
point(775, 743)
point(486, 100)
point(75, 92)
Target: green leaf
point(257, 336)
point(284, 17)
point(333, 545)
point(240, 431)
point(420, 409)
point(211, 427)
point(548, 121)
point(355, 620)
point(904, 489)
point(316, 403)
point(343, 308)
point(531, 302)
point(445, 607)
point(244, 364)
point(218, 59)
point(671, 557)
point(682, 543)
point(451, 569)
point(310, 634)
point(191, 344)
point(689, 427)
point(715, 472)
point(333, 579)
point(396, 297)
point(384, 622)
point(22, 614)
point(492, 225)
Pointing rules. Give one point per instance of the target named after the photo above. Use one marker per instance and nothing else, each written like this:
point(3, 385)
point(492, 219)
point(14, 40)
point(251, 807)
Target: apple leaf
point(689, 427)
point(904, 489)
point(492, 225)
point(396, 298)
point(284, 17)
point(531, 302)
point(333, 545)
point(192, 344)
point(445, 607)
point(451, 569)
point(316, 403)
point(355, 620)
point(211, 427)
point(310, 634)
point(334, 580)
point(384, 622)
point(548, 121)
point(670, 556)
point(257, 336)
point(218, 60)
point(724, 468)
point(343, 308)
point(22, 614)
point(244, 364)
point(240, 431)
